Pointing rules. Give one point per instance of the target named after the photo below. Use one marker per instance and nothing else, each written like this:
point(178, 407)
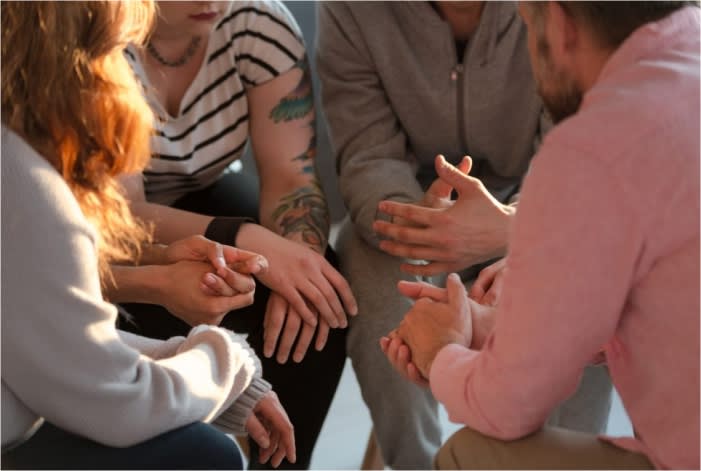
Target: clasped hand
point(204, 280)
point(438, 317)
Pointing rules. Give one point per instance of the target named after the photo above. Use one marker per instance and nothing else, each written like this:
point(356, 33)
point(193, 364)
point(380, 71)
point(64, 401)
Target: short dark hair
point(613, 21)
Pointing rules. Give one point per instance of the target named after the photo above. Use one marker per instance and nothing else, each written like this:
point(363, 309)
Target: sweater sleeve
point(572, 259)
point(233, 419)
point(371, 148)
point(62, 356)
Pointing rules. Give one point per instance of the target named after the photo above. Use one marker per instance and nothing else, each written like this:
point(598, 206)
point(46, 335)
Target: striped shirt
point(255, 42)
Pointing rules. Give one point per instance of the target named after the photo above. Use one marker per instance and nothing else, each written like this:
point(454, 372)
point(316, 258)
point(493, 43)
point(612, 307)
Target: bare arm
point(170, 224)
point(283, 134)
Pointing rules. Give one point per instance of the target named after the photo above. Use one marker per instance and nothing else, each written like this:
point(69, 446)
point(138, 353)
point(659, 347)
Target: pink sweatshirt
point(604, 254)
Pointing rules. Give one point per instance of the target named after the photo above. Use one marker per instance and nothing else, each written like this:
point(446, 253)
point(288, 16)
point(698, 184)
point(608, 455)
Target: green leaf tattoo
point(300, 101)
point(304, 211)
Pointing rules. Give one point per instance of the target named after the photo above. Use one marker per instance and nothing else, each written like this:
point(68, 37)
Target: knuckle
point(413, 252)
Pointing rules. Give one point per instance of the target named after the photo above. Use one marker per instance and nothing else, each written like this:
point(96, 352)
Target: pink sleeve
point(572, 257)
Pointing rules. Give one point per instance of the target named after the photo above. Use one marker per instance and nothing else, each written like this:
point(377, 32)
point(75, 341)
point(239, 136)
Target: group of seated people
point(522, 233)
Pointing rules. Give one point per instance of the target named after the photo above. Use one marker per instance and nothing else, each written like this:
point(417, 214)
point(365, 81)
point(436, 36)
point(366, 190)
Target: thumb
point(457, 296)
point(454, 176)
point(215, 253)
point(465, 164)
point(440, 188)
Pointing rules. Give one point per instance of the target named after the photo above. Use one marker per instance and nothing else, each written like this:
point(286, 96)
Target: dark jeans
point(194, 446)
point(305, 389)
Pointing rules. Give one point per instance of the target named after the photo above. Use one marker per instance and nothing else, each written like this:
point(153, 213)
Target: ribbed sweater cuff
point(233, 419)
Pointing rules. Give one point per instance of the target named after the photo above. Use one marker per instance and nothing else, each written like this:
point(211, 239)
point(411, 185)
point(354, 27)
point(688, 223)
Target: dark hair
point(613, 21)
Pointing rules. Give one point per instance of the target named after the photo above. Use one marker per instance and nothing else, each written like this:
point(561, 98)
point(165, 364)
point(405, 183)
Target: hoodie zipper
point(457, 76)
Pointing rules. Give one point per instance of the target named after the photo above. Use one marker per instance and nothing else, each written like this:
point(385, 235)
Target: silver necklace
point(189, 52)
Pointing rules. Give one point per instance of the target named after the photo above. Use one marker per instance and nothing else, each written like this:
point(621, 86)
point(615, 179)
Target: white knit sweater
point(62, 358)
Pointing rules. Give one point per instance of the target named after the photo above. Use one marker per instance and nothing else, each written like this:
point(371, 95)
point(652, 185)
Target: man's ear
point(564, 31)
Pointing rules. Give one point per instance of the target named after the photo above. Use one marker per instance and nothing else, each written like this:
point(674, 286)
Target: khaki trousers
point(549, 448)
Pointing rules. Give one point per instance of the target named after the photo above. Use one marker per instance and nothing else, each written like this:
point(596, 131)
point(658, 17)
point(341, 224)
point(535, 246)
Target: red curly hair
point(68, 91)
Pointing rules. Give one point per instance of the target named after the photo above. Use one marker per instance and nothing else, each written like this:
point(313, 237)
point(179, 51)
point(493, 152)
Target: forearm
point(292, 203)
point(498, 246)
point(298, 212)
point(369, 142)
point(140, 284)
point(170, 224)
point(153, 254)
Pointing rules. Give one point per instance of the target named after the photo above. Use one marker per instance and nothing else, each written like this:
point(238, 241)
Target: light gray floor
point(345, 433)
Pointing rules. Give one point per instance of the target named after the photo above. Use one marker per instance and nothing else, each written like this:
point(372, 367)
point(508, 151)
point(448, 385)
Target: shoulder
point(265, 16)
point(35, 196)
point(263, 38)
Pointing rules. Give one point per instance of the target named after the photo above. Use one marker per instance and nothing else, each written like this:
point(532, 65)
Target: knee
point(214, 450)
point(457, 451)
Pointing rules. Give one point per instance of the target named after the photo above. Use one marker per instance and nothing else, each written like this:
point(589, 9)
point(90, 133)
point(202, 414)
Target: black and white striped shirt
point(255, 42)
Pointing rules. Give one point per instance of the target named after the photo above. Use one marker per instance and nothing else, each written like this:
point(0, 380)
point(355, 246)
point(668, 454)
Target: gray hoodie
point(395, 96)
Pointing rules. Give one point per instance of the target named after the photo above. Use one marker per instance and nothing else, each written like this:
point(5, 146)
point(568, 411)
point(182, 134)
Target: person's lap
point(549, 448)
point(194, 446)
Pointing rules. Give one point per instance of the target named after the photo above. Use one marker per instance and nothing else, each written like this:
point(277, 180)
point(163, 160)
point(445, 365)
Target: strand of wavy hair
point(69, 92)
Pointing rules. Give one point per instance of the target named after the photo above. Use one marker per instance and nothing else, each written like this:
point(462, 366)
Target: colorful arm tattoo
point(304, 211)
point(300, 101)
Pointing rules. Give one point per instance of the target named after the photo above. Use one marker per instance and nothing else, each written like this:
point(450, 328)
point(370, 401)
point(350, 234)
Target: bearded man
point(603, 261)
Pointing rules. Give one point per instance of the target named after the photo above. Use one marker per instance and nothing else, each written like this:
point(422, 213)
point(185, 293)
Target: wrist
point(505, 215)
point(247, 234)
point(140, 284)
point(482, 326)
point(154, 254)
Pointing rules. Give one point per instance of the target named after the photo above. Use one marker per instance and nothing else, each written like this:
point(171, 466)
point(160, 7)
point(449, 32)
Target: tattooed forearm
point(300, 101)
point(304, 211)
point(302, 214)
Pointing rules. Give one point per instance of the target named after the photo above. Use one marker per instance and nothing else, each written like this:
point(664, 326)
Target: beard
point(560, 93)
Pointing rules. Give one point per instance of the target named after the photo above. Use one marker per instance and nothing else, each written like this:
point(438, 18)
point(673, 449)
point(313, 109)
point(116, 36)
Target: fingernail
point(297, 358)
point(265, 441)
point(210, 279)
point(221, 261)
